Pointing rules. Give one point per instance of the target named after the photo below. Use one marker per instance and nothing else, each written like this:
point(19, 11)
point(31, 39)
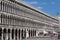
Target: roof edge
point(34, 9)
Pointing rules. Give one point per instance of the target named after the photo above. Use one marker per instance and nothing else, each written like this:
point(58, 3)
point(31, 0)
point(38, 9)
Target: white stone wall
point(19, 16)
point(28, 13)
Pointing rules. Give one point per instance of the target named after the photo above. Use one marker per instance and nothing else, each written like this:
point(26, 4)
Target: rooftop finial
point(57, 14)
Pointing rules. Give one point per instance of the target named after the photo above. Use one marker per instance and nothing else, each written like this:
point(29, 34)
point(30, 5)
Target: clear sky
point(49, 6)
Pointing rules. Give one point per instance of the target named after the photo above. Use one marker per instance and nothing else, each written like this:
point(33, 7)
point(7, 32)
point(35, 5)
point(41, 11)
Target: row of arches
point(16, 34)
point(8, 34)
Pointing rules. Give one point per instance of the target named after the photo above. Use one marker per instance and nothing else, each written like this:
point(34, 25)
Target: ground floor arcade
point(15, 34)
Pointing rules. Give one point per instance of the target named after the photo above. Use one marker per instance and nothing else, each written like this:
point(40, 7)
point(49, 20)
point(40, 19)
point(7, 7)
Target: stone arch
point(12, 34)
point(19, 33)
point(22, 33)
point(4, 34)
point(9, 32)
point(0, 33)
point(4, 30)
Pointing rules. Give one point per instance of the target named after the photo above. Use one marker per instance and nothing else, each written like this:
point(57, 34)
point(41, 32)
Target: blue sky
point(49, 6)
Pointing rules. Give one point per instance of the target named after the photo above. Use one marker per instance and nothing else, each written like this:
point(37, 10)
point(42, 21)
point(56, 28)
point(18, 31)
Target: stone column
point(19, 34)
point(31, 33)
point(0, 0)
point(27, 34)
point(7, 34)
point(15, 34)
point(2, 33)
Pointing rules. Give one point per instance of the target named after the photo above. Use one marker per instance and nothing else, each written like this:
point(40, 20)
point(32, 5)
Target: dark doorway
point(0, 33)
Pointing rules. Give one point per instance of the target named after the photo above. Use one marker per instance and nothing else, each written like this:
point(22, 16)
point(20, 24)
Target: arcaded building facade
point(20, 21)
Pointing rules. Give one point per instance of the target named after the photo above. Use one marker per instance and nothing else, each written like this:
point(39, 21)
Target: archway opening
point(0, 33)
